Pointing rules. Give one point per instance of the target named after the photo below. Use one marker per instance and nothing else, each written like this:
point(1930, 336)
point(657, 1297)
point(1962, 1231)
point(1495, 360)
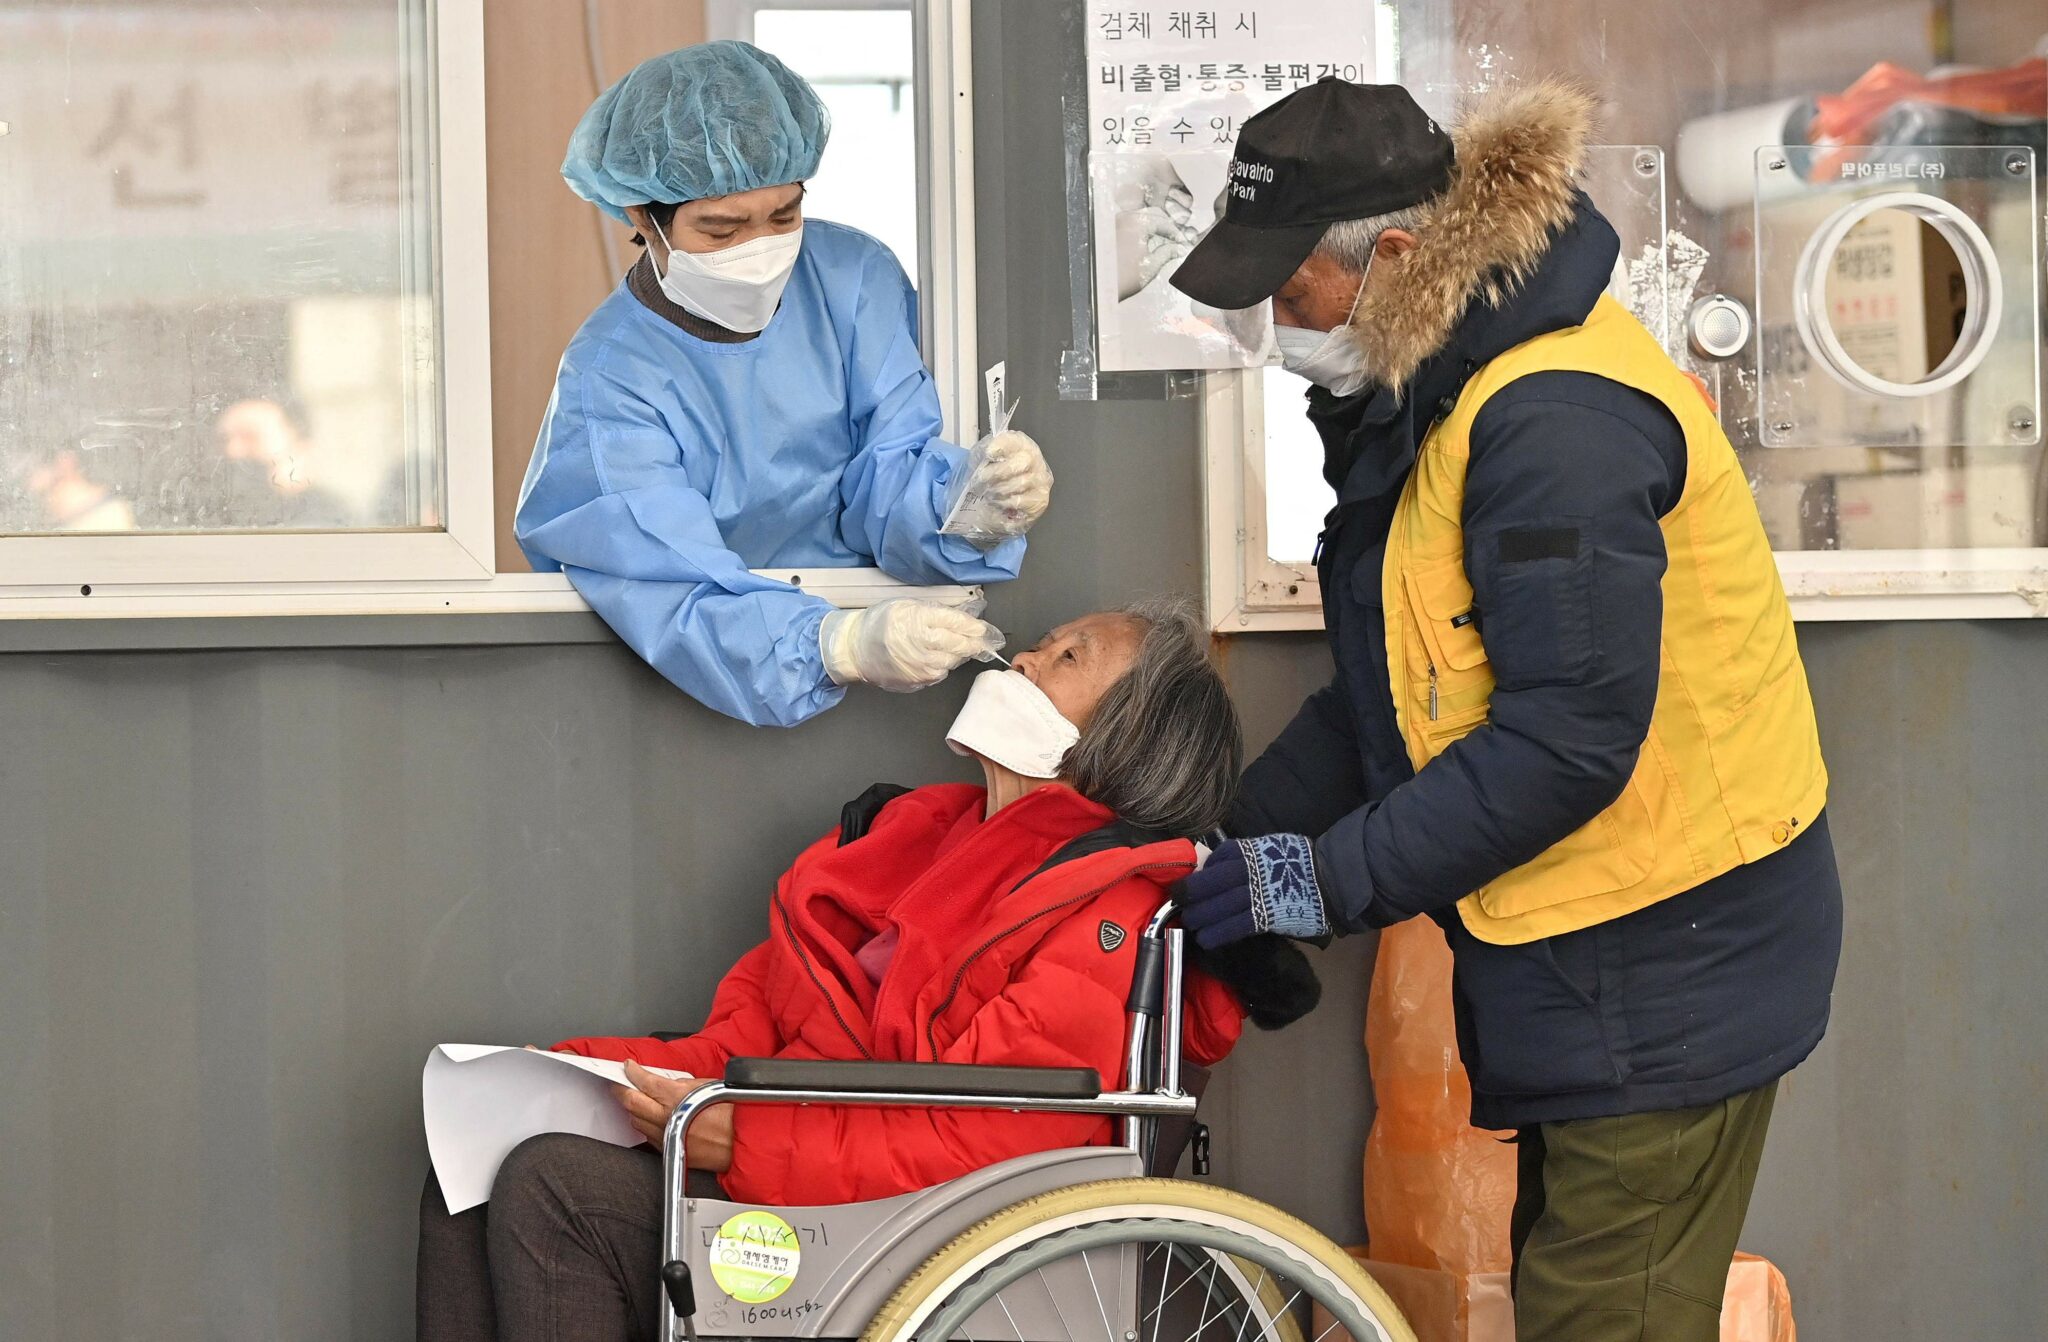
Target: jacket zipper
point(1432, 688)
point(789, 930)
point(959, 976)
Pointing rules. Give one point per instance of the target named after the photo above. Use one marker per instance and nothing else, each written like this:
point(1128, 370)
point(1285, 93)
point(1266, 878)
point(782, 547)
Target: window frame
point(44, 567)
point(942, 58)
point(453, 570)
point(1246, 591)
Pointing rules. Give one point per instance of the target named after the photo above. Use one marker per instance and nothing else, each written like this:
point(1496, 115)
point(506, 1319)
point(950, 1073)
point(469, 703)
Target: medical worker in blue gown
point(752, 396)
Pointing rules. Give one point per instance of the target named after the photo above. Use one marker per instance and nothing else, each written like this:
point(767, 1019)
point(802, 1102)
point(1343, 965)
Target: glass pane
point(217, 306)
point(859, 60)
point(1947, 100)
point(1296, 496)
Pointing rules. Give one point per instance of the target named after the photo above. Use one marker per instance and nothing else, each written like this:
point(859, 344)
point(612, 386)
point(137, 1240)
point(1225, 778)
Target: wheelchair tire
point(1233, 1232)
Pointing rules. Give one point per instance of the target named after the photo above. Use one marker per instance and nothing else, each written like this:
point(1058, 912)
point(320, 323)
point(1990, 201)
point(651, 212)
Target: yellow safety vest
point(1731, 770)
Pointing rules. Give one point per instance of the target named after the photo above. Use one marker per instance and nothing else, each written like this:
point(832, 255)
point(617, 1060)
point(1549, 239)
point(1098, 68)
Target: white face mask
point(1009, 720)
point(740, 287)
point(1330, 359)
point(1333, 360)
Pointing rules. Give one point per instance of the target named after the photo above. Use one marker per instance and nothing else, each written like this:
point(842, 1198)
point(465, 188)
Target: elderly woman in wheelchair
point(920, 1042)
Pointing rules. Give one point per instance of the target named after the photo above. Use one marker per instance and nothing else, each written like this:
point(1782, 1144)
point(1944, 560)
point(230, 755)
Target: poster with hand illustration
point(1168, 89)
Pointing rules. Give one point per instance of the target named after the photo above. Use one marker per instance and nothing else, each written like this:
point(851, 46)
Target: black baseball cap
point(1325, 153)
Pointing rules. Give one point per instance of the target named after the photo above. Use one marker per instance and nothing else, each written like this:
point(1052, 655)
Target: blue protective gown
point(669, 466)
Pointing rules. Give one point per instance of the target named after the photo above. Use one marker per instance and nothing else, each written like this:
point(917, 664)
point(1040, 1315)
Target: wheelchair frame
point(1152, 1091)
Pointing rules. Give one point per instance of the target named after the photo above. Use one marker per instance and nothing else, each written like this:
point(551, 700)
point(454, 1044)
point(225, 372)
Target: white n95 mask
point(740, 287)
point(1009, 720)
point(1330, 359)
point(1333, 360)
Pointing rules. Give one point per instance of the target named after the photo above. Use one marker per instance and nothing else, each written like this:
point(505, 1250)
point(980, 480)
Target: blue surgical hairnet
point(708, 120)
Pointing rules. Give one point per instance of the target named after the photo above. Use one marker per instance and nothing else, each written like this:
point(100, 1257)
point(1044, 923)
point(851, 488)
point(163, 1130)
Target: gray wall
point(242, 892)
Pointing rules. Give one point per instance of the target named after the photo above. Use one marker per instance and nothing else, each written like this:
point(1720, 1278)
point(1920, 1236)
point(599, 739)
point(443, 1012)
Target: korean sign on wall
point(238, 141)
point(217, 277)
point(1168, 88)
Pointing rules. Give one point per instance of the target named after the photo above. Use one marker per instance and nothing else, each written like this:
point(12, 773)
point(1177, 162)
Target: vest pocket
point(1450, 680)
point(1444, 610)
point(1610, 852)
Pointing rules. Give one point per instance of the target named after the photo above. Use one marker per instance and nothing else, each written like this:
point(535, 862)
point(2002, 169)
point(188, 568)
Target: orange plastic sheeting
point(1758, 1305)
point(1851, 117)
point(1445, 1307)
point(1438, 1191)
point(1440, 1306)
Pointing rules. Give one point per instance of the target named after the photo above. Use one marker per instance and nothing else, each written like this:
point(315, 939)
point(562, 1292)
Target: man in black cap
point(1569, 721)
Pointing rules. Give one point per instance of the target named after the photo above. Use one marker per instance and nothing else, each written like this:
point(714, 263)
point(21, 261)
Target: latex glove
point(1014, 480)
point(1248, 886)
point(1011, 487)
point(902, 645)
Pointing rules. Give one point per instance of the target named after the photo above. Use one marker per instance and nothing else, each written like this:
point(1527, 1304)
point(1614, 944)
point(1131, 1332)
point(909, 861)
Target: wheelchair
point(1089, 1244)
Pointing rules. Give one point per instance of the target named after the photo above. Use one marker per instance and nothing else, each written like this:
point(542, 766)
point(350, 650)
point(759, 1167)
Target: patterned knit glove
point(1267, 884)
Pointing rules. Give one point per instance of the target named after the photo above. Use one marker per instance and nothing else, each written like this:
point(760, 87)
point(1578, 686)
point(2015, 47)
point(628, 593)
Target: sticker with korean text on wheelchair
point(754, 1257)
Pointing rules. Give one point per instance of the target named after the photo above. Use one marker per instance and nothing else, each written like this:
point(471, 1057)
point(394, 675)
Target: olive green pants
point(1624, 1227)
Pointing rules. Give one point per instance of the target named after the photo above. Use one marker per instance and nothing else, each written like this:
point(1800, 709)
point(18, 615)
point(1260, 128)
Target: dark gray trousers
point(568, 1249)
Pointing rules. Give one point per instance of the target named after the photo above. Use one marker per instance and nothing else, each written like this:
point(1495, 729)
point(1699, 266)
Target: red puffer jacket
point(1002, 959)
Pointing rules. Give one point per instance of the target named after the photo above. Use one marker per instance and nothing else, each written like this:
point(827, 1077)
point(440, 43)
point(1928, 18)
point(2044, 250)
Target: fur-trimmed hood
point(1516, 185)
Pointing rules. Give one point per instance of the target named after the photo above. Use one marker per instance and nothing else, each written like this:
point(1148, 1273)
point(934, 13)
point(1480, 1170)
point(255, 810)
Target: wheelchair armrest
point(914, 1078)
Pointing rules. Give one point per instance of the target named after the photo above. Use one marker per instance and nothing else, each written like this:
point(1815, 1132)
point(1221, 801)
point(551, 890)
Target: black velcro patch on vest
point(1532, 543)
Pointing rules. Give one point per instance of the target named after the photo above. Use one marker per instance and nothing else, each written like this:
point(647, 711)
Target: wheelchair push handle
point(1148, 981)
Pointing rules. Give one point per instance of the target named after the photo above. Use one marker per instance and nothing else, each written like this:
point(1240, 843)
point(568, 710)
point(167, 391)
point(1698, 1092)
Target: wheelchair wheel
point(1140, 1260)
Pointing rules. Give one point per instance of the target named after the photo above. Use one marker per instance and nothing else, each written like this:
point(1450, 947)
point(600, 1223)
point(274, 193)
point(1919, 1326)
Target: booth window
point(228, 326)
point(861, 58)
point(219, 279)
point(1847, 242)
point(895, 75)
point(245, 348)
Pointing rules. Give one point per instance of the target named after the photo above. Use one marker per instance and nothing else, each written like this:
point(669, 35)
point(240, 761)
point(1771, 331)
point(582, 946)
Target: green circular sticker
point(754, 1257)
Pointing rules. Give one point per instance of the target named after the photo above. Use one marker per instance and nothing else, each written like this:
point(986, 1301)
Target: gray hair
point(1163, 748)
point(1350, 243)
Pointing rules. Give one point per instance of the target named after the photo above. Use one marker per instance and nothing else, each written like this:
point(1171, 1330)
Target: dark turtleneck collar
point(643, 285)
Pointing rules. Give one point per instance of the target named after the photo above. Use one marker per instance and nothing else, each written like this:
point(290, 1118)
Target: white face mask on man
point(1333, 360)
point(738, 288)
point(1330, 359)
point(1008, 720)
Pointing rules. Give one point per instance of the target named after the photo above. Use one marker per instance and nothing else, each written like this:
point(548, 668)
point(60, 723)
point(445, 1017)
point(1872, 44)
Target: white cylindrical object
point(1716, 157)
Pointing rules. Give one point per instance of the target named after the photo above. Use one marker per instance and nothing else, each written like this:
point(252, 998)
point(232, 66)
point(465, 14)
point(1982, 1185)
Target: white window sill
point(1823, 588)
point(505, 594)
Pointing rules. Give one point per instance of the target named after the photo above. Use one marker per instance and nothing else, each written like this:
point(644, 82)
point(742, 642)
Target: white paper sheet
point(481, 1100)
point(1168, 88)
